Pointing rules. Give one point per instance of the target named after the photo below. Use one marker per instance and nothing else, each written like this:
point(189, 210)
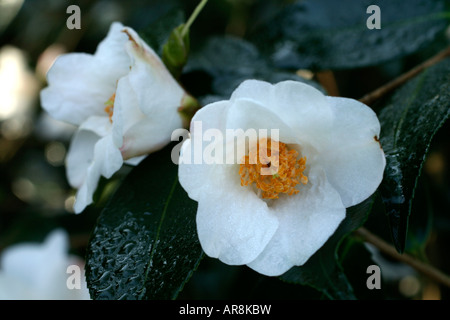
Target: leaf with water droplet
point(330, 34)
point(409, 120)
point(145, 243)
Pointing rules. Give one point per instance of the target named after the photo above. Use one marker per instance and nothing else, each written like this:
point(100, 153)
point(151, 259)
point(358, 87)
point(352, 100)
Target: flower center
point(109, 109)
point(276, 170)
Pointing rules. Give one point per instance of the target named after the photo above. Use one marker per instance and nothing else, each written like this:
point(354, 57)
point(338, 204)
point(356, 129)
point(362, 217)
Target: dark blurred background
point(35, 196)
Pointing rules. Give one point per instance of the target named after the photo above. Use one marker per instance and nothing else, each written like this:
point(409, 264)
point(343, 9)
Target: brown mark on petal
point(130, 37)
point(142, 51)
point(377, 140)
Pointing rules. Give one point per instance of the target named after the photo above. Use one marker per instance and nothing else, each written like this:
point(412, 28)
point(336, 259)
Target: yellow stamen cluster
point(109, 109)
point(274, 168)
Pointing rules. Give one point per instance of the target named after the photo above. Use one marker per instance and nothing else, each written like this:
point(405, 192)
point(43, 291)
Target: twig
point(328, 81)
point(420, 266)
point(383, 90)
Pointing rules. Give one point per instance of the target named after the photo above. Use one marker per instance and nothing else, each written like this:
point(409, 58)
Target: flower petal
point(212, 116)
point(79, 84)
point(134, 132)
point(86, 191)
point(74, 98)
point(111, 52)
point(233, 224)
point(158, 94)
point(107, 160)
point(30, 261)
point(353, 159)
point(135, 161)
point(241, 115)
point(107, 156)
point(307, 220)
point(15, 288)
point(100, 125)
point(80, 156)
point(126, 110)
point(300, 106)
point(147, 101)
point(39, 271)
point(146, 136)
point(191, 174)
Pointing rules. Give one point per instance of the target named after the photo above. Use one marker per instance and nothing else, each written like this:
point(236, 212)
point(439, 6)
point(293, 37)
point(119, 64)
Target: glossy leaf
point(157, 33)
point(356, 258)
point(409, 120)
point(145, 244)
point(329, 34)
point(228, 61)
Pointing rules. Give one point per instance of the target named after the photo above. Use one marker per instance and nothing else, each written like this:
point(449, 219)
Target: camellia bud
point(176, 50)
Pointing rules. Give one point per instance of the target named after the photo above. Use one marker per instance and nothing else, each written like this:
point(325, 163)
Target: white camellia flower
point(40, 271)
point(327, 157)
point(124, 101)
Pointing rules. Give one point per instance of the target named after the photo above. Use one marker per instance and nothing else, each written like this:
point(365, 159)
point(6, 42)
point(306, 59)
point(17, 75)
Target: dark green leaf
point(323, 270)
point(145, 244)
point(229, 61)
point(330, 34)
point(409, 120)
point(158, 32)
point(420, 220)
point(355, 258)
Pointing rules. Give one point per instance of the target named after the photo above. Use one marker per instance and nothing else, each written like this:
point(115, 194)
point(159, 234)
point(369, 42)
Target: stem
point(328, 81)
point(380, 92)
point(420, 266)
point(193, 16)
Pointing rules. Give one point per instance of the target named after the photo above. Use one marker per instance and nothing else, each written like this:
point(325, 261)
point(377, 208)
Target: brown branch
point(385, 89)
point(328, 81)
point(388, 249)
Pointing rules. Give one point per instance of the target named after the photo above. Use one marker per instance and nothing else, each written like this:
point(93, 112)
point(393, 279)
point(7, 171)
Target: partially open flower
point(124, 101)
point(273, 208)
